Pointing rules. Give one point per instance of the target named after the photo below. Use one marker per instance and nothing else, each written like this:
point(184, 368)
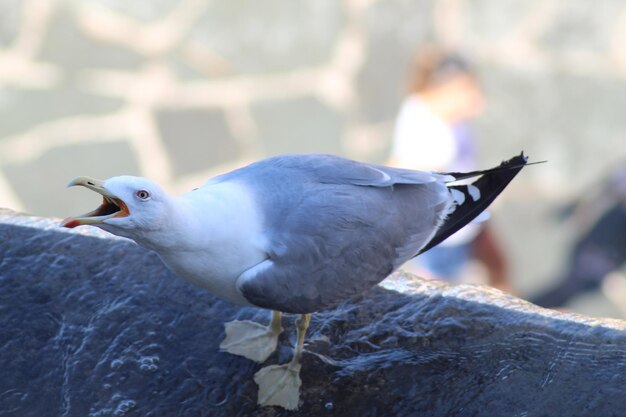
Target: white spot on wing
point(474, 192)
point(458, 196)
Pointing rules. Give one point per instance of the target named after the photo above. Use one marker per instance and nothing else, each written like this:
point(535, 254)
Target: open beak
point(111, 206)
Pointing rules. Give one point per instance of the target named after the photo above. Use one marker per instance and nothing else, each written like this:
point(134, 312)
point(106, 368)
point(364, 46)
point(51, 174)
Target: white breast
point(221, 237)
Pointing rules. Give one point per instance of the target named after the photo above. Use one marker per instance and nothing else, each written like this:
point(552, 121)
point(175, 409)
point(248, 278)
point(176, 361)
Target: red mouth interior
point(109, 206)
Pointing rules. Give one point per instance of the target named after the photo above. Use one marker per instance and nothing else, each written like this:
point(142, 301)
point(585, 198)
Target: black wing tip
point(520, 160)
point(491, 183)
point(516, 163)
point(525, 159)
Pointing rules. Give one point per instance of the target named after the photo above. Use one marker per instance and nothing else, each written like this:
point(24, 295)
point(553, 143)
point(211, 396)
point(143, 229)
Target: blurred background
point(180, 90)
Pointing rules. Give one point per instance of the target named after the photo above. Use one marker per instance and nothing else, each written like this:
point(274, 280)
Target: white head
point(131, 207)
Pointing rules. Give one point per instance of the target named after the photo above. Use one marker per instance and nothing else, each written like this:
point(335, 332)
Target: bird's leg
point(302, 324)
point(280, 384)
point(276, 324)
point(252, 340)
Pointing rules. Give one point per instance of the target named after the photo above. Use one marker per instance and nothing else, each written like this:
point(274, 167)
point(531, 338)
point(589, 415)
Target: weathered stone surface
point(98, 327)
point(581, 25)
point(393, 29)
point(275, 35)
point(183, 70)
point(10, 14)
point(46, 105)
point(69, 48)
point(55, 168)
point(196, 139)
point(299, 125)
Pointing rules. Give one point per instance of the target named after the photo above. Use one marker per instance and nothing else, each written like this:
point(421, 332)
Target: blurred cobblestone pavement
point(178, 90)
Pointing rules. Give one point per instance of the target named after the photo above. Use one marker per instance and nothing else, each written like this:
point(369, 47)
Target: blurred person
point(433, 132)
point(599, 253)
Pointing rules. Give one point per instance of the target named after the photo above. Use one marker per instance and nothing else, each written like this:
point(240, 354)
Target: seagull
point(292, 234)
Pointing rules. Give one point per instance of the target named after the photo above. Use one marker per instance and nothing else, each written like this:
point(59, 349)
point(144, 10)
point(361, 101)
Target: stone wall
point(180, 90)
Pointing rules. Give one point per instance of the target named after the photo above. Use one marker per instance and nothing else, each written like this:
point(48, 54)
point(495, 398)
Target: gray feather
point(335, 227)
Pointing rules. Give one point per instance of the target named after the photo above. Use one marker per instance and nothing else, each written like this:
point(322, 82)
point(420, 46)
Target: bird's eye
point(143, 195)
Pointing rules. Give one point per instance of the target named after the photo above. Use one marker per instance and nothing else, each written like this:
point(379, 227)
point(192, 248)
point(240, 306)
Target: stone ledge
point(98, 327)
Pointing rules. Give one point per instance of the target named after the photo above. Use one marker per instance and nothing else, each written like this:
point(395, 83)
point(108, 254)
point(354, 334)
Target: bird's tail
point(474, 198)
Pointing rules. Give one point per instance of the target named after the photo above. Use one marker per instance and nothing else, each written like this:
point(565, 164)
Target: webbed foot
point(250, 339)
point(279, 385)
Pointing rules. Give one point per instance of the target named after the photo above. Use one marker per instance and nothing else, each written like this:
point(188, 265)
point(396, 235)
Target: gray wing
point(330, 169)
point(335, 227)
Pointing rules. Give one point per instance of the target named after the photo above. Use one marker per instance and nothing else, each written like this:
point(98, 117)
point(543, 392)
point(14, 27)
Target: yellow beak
point(111, 206)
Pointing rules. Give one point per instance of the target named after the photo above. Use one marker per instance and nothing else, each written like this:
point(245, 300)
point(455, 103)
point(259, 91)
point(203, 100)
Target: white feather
point(221, 238)
point(474, 192)
point(458, 196)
